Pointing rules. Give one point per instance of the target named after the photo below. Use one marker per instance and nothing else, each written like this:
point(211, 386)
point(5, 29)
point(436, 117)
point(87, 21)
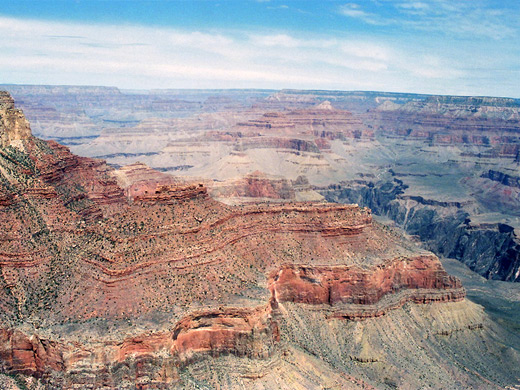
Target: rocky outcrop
point(255, 185)
point(447, 120)
point(158, 359)
point(13, 125)
point(166, 194)
point(360, 292)
point(322, 120)
point(29, 355)
point(242, 332)
point(155, 359)
point(499, 191)
point(502, 178)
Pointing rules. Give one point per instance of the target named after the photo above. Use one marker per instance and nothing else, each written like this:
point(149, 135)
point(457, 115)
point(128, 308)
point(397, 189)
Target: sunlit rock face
point(14, 128)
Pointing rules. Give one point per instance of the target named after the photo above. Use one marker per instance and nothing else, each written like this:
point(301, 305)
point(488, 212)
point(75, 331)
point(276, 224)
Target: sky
point(457, 47)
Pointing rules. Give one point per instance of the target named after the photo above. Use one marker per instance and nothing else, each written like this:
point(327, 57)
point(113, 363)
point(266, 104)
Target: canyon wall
point(491, 250)
point(129, 278)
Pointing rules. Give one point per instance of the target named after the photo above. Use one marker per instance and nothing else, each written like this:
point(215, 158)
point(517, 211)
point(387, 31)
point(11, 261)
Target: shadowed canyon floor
point(129, 278)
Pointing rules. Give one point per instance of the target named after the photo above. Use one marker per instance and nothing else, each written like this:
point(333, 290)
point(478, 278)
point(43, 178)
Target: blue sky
point(465, 47)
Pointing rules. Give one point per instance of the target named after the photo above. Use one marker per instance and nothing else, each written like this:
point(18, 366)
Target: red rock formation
point(322, 121)
point(74, 248)
point(255, 185)
point(422, 277)
point(28, 355)
point(242, 332)
point(60, 167)
point(353, 292)
point(168, 194)
point(144, 345)
point(42, 192)
point(237, 331)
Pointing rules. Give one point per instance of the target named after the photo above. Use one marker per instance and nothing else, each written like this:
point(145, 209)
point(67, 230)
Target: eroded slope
point(129, 279)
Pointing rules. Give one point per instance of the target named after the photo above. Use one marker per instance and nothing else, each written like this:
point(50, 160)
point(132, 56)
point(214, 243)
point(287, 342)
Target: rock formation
point(353, 285)
point(446, 227)
point(13, 125)
point(129, 279)
point(255, 186)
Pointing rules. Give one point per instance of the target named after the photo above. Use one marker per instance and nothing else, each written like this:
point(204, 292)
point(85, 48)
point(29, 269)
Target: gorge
point(119, 276)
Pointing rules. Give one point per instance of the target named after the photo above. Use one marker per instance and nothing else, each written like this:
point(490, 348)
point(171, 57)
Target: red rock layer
point(242, 332)
point(22, 354)
point(255, 185)
point(60, 167)
point(356, 294)
point(423, 277)
point(322, 121)
point(169, 193)
point(238, 331)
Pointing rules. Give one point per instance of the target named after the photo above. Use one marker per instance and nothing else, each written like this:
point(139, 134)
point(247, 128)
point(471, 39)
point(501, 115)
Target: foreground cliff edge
point(130, 279)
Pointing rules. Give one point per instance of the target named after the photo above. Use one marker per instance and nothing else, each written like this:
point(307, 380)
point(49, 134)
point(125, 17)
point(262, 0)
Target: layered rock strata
point(490, 249)
point(354, 285)
point(101, 288)
point(446, 120)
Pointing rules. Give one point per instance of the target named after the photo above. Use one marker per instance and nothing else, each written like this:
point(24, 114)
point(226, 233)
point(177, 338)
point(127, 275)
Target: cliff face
point(490, 249)
point(446, 120)
point(502, 178)
point(322, 120)
point(13, 125)
point(354, 285)
point(129, 279)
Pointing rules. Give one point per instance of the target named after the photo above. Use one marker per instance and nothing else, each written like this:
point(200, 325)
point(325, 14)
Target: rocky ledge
point(354, 289)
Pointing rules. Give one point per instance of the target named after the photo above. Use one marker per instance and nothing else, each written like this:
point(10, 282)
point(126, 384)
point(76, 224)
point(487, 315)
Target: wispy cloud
point(470, 19)
point(127, 56)
point(283, 6)
point(355, 11)
point(416, 7)
point(282, 40)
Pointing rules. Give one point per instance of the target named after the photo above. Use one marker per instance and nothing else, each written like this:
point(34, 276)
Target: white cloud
point(282, 40)
point(354, 10)
point(42, 52)
point(469, 19)
point(283, 6)
point(366, 50)
point(414, 5)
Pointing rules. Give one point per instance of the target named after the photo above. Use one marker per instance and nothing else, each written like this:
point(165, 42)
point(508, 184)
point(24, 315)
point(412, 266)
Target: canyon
point(455, 160)
point(235, 272)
